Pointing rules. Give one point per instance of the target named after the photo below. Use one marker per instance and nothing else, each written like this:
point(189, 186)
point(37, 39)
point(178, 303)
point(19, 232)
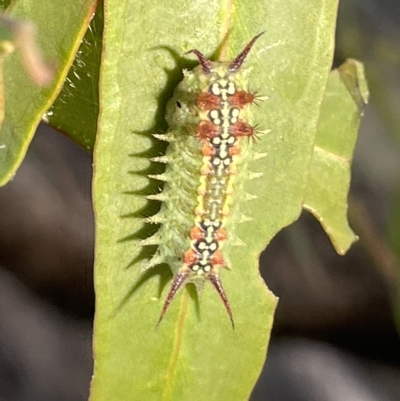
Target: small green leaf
point(60, 26)
point(329, 179)
point(195, 354)
point(76, 109)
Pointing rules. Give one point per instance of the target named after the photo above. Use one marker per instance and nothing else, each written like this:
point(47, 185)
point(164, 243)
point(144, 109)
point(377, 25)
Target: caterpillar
point(210, 134)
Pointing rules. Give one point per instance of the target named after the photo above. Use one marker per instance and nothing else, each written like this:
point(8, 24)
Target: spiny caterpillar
point(210, 129)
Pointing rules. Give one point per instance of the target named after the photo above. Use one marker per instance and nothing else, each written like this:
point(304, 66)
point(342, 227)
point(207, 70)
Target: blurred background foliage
point(335, 332)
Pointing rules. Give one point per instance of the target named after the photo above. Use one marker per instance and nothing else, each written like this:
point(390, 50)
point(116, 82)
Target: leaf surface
point(195, 354)
point(76, 109)
point(329, 179)
point(60, 26)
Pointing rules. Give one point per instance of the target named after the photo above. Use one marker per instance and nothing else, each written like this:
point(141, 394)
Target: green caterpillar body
point(210, 124)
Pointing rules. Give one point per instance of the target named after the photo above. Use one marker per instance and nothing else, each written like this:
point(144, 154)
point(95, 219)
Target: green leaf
point(60, 27)
point(195, 354)
point(7, 46)
point(4, 4)
point(329, 179)
point(76, 108)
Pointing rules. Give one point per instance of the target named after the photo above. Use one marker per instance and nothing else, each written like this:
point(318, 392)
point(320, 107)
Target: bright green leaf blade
point(75, 111)
point(60, 27)
point(195, 354)
point(329, 180)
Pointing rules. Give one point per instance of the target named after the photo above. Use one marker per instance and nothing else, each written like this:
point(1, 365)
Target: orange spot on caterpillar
point(190, 257)
point(234, 151)
point(196, 233)
point(207, 150)
point(241, 99)
point(207, 130)
point(208, 101)
point(241, 129)
point(221, 235)
point(217, 259)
